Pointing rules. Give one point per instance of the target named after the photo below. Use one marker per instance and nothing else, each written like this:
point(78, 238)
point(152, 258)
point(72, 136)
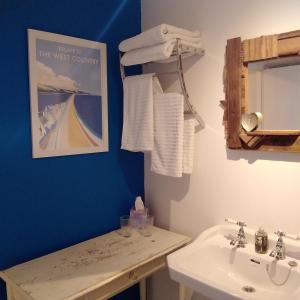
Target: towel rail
point(178, 53)
point(183, 86)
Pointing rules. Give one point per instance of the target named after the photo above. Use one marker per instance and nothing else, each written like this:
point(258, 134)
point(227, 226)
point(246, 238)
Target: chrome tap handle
point(232, 221)
point(293, 237)
point(240, 241)
point(280, 233)
point(279, 251)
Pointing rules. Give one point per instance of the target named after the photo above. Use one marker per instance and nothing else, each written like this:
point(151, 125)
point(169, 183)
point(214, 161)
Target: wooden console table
point(96, 269)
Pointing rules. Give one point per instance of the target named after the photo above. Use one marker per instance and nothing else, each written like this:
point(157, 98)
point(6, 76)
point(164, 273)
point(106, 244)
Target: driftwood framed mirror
point(256, 90)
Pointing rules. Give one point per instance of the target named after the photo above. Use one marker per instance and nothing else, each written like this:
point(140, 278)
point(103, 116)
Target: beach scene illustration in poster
point(69, 98)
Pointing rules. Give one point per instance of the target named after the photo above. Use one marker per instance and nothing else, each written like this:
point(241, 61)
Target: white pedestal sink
point(213, 268)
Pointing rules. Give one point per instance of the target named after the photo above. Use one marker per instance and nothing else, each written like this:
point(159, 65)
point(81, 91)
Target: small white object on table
point(95, 269)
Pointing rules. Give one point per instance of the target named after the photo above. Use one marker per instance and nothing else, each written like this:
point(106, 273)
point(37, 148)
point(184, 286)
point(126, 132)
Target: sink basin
point(214, 268)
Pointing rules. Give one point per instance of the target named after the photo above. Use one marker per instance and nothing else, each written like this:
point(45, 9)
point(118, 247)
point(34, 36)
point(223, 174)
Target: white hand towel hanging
point(188, 144)
point(167, 154)
point(159, 52)
point(138, 126)
point(157, 35)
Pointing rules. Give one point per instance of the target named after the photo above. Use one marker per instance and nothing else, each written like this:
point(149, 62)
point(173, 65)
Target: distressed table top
point(72, 272)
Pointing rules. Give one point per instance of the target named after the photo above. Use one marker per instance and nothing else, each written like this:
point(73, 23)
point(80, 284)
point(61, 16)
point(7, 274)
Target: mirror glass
point(274, 90)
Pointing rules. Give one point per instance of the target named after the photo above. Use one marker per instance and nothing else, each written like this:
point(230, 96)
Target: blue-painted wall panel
point(48, 204)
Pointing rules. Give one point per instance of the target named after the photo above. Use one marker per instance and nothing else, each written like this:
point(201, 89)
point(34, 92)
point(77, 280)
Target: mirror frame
point(235, 78)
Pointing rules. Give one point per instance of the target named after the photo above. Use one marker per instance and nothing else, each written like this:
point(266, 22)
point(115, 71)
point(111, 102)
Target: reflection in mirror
point(274, 90)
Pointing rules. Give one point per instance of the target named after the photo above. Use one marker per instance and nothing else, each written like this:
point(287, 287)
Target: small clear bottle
point(261, 241)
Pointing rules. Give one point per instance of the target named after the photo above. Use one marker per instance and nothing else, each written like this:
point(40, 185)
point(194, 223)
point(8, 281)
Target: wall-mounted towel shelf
point(178, 55)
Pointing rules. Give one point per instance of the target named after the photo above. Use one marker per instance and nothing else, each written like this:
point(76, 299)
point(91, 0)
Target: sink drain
point(248, 289)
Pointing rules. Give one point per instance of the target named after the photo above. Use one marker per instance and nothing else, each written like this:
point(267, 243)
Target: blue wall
point(48, 204)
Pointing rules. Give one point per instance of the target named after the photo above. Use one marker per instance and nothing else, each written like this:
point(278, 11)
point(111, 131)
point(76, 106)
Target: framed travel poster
point(68, 95)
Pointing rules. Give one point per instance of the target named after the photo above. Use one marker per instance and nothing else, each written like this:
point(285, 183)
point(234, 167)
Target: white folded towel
point(138, 113)
point(167, 154)
point(159, 52)
point(158, 35)
point(188, 144)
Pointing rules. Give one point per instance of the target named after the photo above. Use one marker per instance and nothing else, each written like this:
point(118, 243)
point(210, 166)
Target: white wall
point(259, 188)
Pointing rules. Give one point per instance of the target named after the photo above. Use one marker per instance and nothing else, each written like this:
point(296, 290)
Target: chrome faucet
point(240, 240)
point(279, 251)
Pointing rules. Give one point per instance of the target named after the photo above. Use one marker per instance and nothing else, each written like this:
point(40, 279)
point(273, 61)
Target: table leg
point(183, 292)
point(9, 292)
point(143, 289)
